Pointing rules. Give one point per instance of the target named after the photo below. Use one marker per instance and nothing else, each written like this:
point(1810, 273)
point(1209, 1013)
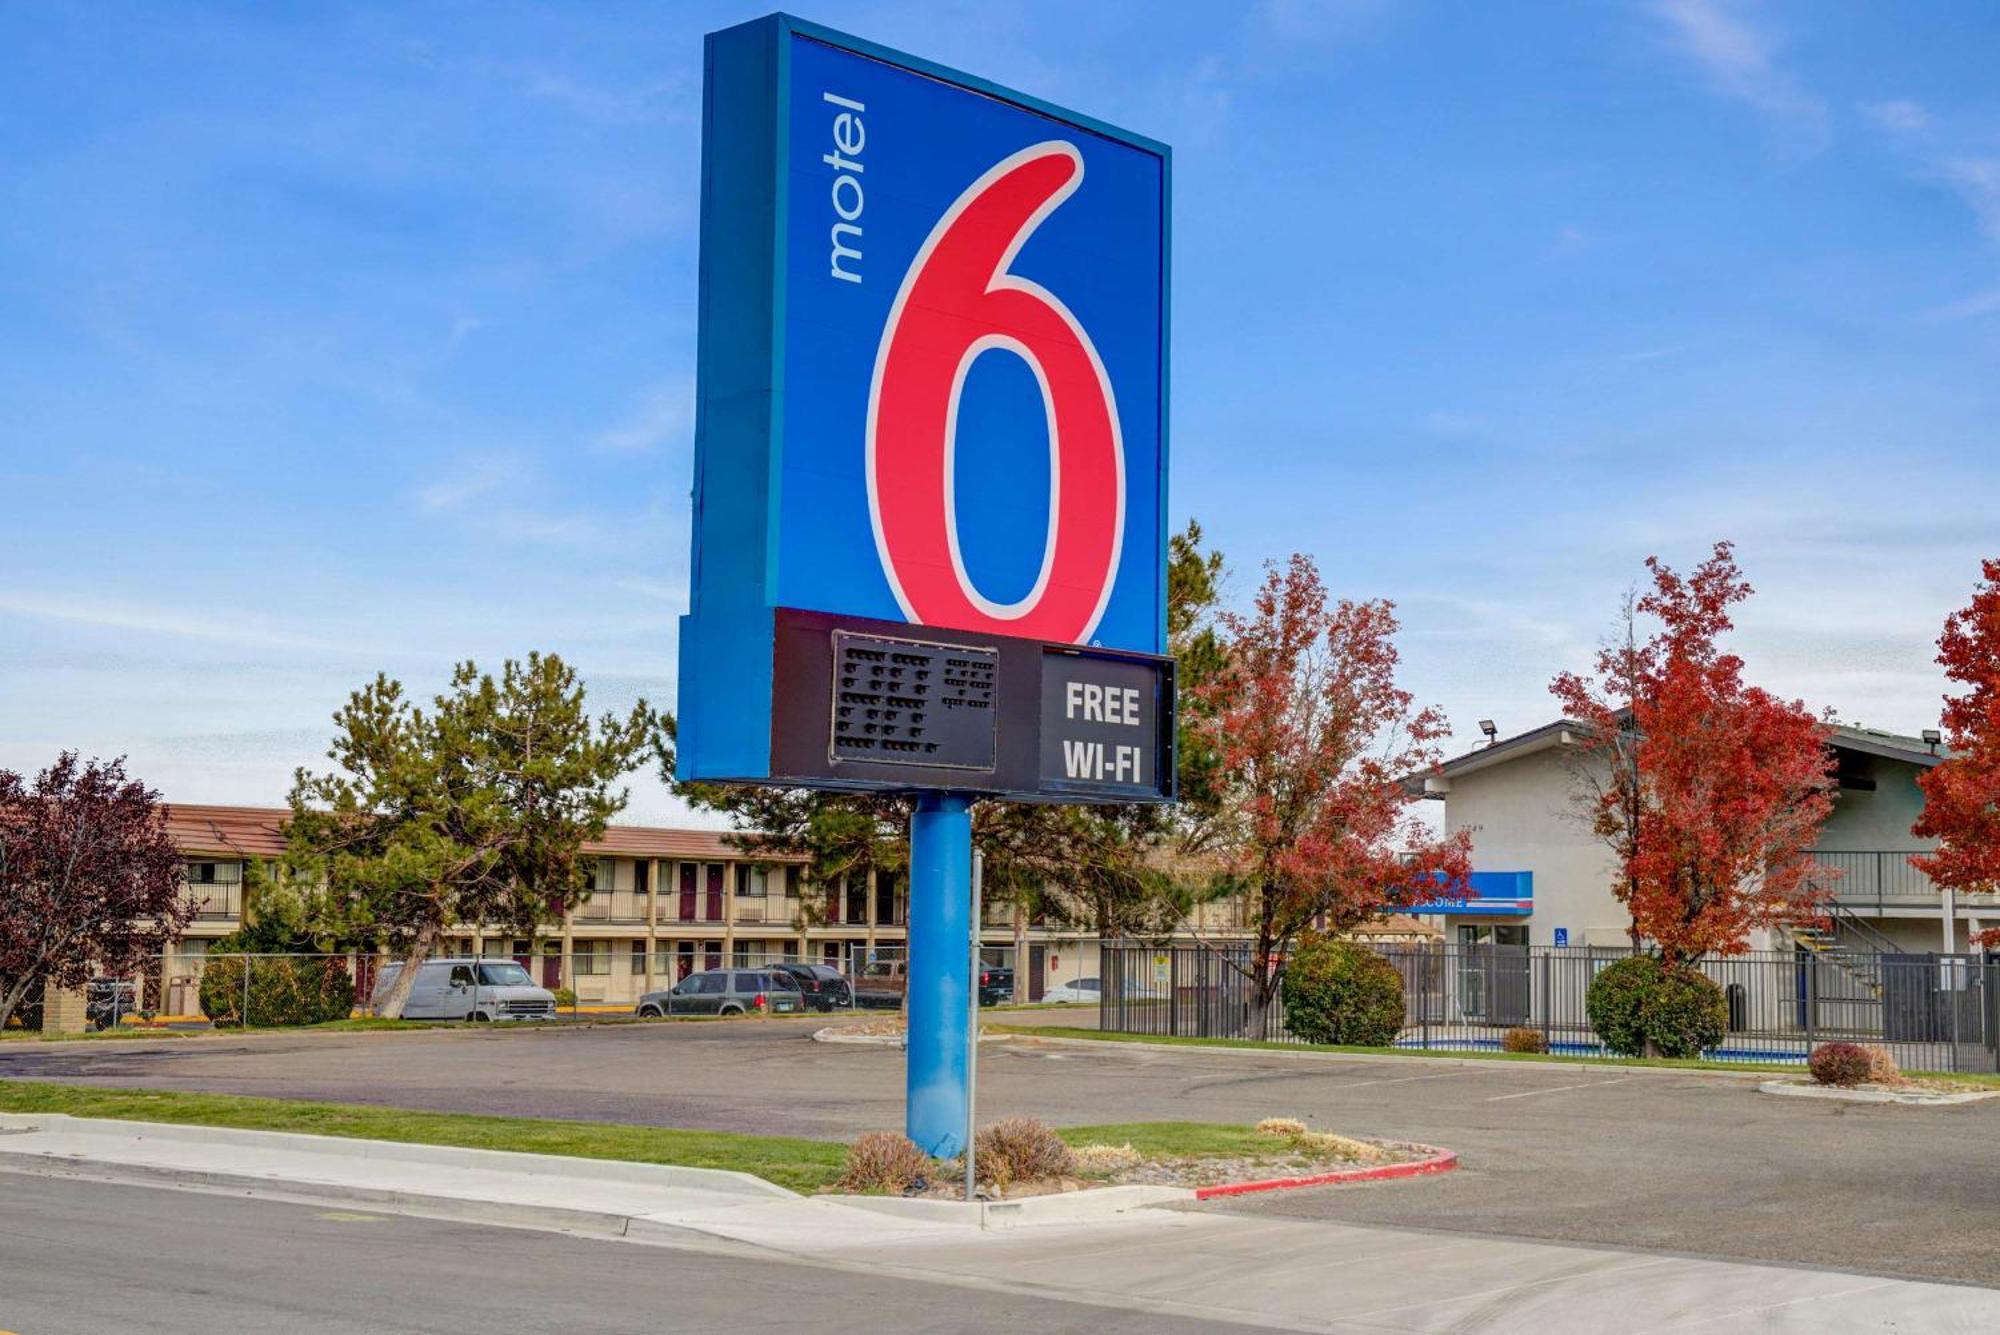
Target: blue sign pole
point(939, 973)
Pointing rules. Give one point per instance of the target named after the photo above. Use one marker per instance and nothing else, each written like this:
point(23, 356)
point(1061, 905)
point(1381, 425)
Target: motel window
point(751, 882)
point(638, 959)
point(1492, 934)
point(592, 959)
point(794, 881)
point(602, 874)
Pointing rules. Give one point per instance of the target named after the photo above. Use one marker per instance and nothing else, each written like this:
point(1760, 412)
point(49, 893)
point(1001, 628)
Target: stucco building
point(1541, 877)
point(666, 902)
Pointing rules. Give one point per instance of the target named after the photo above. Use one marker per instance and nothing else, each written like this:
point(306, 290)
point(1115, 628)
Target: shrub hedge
point(884, 1162)
point(1338, 992)
point(1642, 1008)
point(284, 990)
point(1842, 1064)
point(1523, 1039)
point(1021, 1149)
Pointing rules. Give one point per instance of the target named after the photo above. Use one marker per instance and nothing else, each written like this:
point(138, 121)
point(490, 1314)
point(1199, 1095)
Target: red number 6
point(956, 302)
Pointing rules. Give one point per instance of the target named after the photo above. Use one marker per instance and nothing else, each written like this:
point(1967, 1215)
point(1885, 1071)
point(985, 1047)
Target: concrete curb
point(833, 1035)
point(1064, 1207)
point(718, 1181)
point(693, 1204)
point(465, 1209)
point(1307, 1054)
point(1914, 1098)
point(1437, 1161)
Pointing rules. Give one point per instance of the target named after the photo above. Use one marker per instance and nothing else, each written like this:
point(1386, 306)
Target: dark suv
point(996, 985)
point(824, 987)
point(726, 992)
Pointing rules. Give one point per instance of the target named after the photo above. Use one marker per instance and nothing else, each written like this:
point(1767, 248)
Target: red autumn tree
point(89, 879)
point(1314, 740)
point(1709, 792)
point(1962, 794)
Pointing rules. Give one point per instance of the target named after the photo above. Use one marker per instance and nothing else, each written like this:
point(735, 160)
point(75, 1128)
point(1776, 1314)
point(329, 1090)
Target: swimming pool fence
point(1933, 1012)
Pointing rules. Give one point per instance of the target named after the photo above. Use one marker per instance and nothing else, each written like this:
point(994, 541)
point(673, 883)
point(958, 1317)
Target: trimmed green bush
point(1642, 1008)
point(1338, 992)
point(284, 990)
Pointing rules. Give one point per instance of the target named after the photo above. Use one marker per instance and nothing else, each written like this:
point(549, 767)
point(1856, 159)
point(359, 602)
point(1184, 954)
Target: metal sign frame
point(827, 486)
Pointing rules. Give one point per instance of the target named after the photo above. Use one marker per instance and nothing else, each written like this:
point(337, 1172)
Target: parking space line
point(1557, 1089)
point(1401, 1080)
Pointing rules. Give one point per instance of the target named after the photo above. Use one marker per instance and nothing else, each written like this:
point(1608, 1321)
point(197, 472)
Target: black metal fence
point(1933, 1012)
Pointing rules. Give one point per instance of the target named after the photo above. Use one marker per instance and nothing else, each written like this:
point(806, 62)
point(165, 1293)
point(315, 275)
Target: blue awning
point(1501, 893)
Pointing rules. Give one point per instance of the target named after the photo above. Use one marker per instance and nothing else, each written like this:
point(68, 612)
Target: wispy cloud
point(1898, 114)
point(1977, 181)
point(663, 99)
point(484, 491)
point(655, 588)
point(462, 328)
point(1655, 354)
point(666, 417)
point(1739, 58)
point(1970, 308)
point(476, 478)
point(213, 627)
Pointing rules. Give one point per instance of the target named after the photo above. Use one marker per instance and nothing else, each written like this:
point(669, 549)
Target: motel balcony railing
point(215, 901)
point(766, 909)
point(622, 906)
point(1874, 880)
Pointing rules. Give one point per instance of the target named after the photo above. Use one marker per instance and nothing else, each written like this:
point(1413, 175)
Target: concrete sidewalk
point(1272, 1273)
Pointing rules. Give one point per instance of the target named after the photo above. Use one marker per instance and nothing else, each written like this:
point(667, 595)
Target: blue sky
point(337, 338)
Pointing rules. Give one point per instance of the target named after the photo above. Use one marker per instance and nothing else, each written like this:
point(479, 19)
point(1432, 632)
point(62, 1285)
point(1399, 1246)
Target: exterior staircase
point(1849, 943)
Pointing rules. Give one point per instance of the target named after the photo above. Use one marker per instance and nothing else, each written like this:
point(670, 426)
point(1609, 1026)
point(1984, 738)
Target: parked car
point(106, 1002)
point(1083, 990)
point(880, 983)
point(824, 987)
point(469, 989)
point(766, 991)
point(996, 985)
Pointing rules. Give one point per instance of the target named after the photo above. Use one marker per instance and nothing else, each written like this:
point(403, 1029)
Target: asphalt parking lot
point(1683, 1163)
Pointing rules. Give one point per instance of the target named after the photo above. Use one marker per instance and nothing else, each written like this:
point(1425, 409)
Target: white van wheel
point(730, 1010)
point(479, 1017)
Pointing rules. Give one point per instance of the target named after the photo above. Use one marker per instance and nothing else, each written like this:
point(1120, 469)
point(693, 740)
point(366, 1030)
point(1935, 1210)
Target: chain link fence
point(1933, 1012)
point(190, 987)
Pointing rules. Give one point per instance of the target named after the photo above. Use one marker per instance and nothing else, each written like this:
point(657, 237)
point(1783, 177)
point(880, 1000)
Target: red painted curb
point(1441, 1161)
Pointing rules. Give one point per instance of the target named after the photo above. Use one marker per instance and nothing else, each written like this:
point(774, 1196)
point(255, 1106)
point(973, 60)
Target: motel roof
point(1565, 731)
point(253, 832)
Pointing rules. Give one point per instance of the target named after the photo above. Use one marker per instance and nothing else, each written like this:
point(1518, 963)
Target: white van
point(469, 989)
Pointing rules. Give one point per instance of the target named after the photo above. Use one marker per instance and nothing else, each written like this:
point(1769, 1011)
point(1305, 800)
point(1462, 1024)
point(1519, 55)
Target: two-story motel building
point(665, 903)
point(1542, 878)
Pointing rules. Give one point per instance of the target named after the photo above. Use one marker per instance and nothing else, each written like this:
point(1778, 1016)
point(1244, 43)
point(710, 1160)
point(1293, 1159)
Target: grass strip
point(802, 1165)
point(1472, 1054)
point(1963, 1079)
point(1174, 1140)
